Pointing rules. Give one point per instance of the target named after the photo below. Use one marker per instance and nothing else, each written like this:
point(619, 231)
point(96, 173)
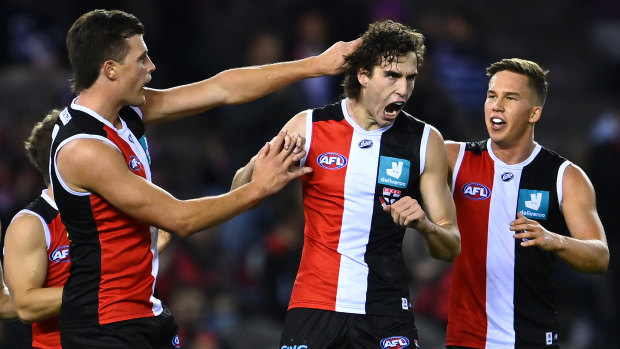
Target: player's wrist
point(256, 191)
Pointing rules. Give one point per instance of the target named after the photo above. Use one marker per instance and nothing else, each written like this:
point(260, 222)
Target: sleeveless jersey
point(114, 257)
point(45, 333)
point(502, 293)
point(352, 256)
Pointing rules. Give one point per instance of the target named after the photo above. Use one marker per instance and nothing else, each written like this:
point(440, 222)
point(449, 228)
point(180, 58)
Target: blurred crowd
point(229, 287)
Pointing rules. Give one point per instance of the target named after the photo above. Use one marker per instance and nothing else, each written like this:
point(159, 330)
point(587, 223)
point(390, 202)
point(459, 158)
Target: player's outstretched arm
point(108, 176)
point(240, 85)
point(586, 249)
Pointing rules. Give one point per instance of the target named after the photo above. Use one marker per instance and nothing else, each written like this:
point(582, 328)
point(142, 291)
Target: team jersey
point(502, 293)
point(114, 257)
point(352, 257)
point(45, 333)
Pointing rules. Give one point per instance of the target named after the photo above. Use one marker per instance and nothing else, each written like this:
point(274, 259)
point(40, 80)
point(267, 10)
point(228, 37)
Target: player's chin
point(138, 102)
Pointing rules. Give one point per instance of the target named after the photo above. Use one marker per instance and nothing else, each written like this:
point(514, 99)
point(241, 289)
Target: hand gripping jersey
point(352, 257)
point(114, 257)
point(45, 333)
point(502, 293)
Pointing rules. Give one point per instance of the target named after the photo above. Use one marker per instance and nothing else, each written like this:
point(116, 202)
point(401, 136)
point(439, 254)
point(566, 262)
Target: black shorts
point(313, 328)
point(158, 332)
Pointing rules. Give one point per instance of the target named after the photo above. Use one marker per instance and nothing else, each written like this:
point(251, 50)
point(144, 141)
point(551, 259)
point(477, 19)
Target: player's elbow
point(450, 255)
point(26, 316)
point(186, 225)
point(454, 253)
point(596, 264)
point(181, 227)
point(602, 262)
point(454, 249)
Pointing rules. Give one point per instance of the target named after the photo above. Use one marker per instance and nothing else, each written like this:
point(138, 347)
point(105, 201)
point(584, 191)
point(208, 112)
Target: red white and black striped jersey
point(502, 294)
point(352, 257)
point(114, 257)
point(45, 333)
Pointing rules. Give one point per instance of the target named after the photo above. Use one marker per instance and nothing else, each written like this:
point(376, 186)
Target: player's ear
point(535, 115)
point(362, 76)
point(110, 69)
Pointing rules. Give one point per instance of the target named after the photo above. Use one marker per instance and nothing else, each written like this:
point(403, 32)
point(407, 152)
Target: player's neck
point(361, 116)
point(101, 103)
point(515, 153)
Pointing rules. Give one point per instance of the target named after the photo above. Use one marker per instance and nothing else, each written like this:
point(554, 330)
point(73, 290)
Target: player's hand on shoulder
point(406, 212)
point(295, 140)
point(274, 165)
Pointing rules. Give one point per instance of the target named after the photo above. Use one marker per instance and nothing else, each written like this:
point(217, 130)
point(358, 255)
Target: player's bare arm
point(240, 85)
point(25, 263)
point(110, 177)
point(452, 152)
point(586, 249)
point(7, 308)
point(436, 221)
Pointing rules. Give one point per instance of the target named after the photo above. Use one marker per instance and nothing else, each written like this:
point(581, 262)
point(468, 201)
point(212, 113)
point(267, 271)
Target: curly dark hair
point(384, 41)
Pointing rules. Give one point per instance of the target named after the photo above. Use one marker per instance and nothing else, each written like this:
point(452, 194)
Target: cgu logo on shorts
point(60, 254)
point(476, 191)
point(331, 161)
point(294, 347)
point(395, 342)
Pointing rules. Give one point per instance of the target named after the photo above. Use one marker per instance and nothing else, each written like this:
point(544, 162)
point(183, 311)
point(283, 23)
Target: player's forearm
point(588, 256)
point(233, 86)
point(204, 213)
point(249, 83)
point(443, 241)
point(38, 304)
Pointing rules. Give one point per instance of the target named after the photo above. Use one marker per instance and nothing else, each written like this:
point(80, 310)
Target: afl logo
point(176, 342)
point(134, 163)
point(365, 143)
point(332, 161)
point(476, 191)
point(396, 342)
point(507, 176)
point(60, 255)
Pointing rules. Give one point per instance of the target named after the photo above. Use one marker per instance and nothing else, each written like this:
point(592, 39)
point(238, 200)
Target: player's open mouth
point(394, 108)
point(497, 121)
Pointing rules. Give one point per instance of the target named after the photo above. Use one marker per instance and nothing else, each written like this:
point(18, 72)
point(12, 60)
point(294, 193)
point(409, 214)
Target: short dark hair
point(96, 37)
point(536, 75)
point(383, 41)
point(39, 143)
